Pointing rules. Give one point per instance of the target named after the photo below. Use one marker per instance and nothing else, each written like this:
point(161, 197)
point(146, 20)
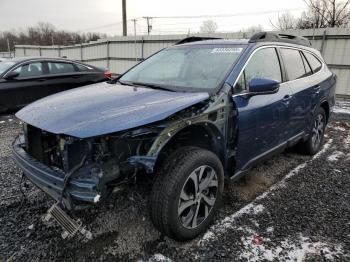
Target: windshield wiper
point(154, 86)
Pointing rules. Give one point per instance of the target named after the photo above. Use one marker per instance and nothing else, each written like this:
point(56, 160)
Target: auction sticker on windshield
point(227, 50)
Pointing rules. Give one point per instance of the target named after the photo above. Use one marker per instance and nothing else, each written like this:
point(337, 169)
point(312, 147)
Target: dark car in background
point(24, 80)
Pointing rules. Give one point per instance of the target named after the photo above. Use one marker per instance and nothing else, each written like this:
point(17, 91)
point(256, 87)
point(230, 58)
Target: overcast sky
point(105, 15)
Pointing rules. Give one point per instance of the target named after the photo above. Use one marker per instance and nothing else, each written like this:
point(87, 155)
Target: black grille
point(43, 146)
point(46, 148)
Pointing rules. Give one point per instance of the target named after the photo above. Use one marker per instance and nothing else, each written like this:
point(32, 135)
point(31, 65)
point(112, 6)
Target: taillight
point(108, 74)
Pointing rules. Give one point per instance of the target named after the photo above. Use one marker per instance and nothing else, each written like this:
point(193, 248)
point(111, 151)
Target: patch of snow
point(293, 250)
point(1, 122)
point(228, 222)
point(10, 120)
point(258, 209)
point(31, 226)
point(270, 229)
point(160, 258)
point(339, 128)
point(335, 156)
point(341, 111)
point(324, 149)
point(347, 141)
point(342, 108)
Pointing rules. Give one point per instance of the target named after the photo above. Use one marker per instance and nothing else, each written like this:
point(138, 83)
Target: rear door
point(62, 76)
point(262, 118)
point(305, 90)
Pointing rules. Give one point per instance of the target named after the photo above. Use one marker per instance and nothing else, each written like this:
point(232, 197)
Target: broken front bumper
point(78, 192)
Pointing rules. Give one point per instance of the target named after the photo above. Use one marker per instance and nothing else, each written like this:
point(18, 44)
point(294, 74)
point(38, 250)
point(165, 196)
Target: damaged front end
point(78, 172)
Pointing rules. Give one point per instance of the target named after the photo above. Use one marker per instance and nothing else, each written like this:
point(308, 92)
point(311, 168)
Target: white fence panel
point(71, 52)
point(121, 53)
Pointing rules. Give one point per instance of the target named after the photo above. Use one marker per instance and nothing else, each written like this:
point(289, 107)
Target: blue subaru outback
point(189, 116)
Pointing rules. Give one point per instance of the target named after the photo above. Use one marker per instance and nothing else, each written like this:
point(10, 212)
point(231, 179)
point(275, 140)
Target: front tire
point(187, 193)
point(315, 139)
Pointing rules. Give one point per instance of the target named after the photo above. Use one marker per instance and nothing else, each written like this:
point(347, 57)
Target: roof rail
point(277, 37)
point(194, 39)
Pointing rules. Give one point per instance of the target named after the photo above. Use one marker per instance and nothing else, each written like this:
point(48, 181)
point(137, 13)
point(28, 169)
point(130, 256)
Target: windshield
point(192, 68)
point(5, 65)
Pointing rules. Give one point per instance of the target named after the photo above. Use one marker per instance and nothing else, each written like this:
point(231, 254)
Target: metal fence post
point(323, 41)
point(39, 51)
point(142, 47)
point(81, 52)
point(59, 51)
point(108, 55)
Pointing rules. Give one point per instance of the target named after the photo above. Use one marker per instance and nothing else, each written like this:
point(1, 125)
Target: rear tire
point(187, 193)
point(315, 140)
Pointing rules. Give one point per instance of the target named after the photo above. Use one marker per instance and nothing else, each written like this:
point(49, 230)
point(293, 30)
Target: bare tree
point(325, 13)
point(208, 26)
point(45, 34)
point(285, 21)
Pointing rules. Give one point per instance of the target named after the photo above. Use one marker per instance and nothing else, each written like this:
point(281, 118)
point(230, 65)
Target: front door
point(262, 119)
point(26, 87)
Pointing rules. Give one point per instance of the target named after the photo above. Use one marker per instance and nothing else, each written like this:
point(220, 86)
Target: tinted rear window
point(293, 63)
point(315, 64)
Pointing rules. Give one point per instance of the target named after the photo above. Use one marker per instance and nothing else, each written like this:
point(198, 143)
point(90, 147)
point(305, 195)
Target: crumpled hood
point(104, 108)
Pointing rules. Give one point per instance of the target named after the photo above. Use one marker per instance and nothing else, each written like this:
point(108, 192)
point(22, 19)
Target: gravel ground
point(293, 207)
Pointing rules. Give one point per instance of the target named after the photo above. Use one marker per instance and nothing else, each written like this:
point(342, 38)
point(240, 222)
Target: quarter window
point(60, 68)
point(263, 64)
point(31, 69)
point(293, 63)
point(83, 68)
point(313, 61)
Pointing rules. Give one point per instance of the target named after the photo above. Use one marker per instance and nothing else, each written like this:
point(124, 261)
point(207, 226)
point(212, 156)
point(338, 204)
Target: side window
point(31, 69)
point(263, 64)
point(307, 66)
point(60, 68)
point(293, 63)
point(315, 64)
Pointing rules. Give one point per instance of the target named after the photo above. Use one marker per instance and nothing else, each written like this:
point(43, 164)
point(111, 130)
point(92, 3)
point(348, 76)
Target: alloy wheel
point(198, 196)
point(317, 131)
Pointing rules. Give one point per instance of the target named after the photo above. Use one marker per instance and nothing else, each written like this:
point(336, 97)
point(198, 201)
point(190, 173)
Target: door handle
point(42, 79)
point(286, 98)
point(317, 88)
point(76, 76)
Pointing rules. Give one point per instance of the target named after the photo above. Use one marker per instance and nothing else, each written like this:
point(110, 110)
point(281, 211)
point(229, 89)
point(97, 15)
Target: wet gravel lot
point(293, 207)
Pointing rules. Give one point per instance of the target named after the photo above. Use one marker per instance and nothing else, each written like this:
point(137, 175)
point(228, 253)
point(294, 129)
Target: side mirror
point(11, 75)
point(261, 86)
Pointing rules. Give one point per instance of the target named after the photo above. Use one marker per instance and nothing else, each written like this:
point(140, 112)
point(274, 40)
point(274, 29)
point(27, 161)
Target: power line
point(228, 15)
point(149, 18)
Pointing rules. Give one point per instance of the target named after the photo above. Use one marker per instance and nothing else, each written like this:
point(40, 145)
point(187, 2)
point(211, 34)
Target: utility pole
point(149, 26)
point(125, 32)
